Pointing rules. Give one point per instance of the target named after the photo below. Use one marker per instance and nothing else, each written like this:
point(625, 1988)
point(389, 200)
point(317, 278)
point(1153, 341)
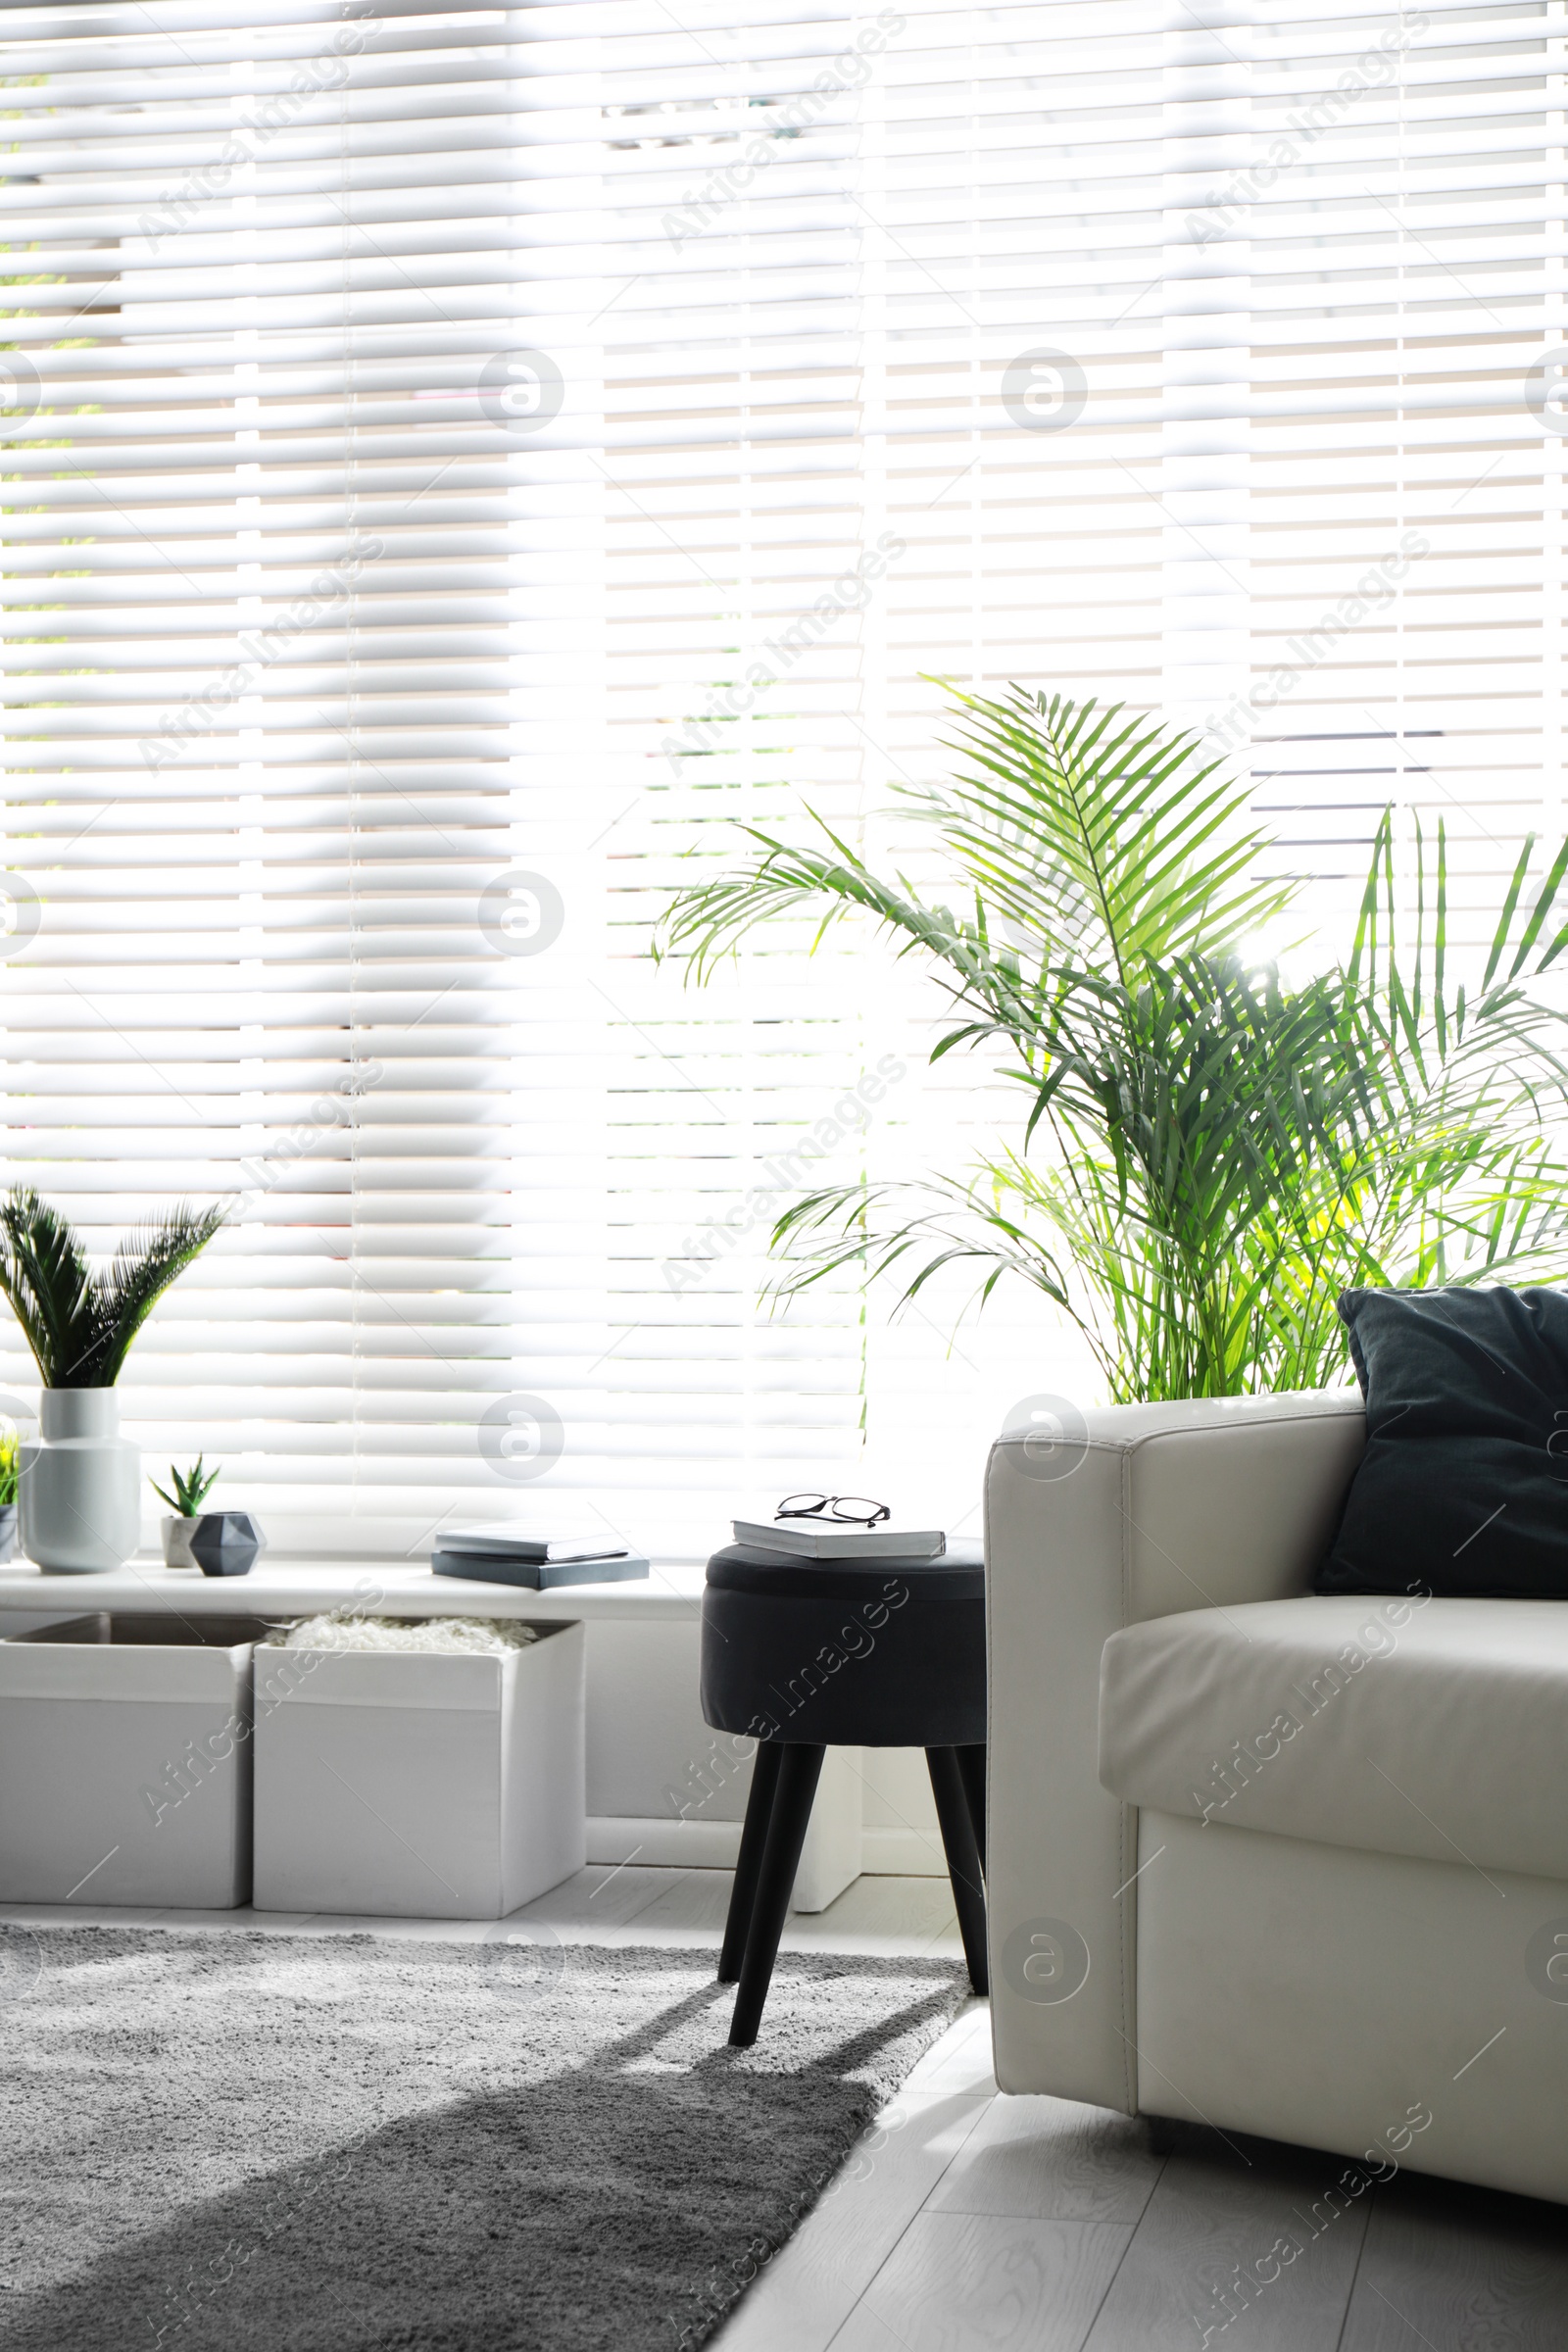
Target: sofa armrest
point(1162, 1509)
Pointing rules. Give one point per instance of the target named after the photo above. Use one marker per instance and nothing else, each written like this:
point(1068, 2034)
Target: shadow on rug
point(292, 2142)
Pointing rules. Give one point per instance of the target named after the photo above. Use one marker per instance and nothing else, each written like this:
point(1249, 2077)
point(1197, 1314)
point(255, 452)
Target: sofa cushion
point(1463, 1488)
point(1406, 1726)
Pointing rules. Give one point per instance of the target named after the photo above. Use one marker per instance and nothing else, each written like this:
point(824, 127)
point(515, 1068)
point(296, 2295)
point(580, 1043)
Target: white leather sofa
point(1280, 1863)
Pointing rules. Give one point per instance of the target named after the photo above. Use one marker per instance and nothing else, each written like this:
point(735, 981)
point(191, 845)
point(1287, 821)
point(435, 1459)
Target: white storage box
point(416, 1783)
point(126, 1762)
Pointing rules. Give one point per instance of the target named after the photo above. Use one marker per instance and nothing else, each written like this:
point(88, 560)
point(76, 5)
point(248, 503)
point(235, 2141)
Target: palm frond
point(710, 920)
point(144, 1265)
point(1103, 834)
point(940, 1223)
point(45, 1275)
point(1080, 835)
point(77, 1323)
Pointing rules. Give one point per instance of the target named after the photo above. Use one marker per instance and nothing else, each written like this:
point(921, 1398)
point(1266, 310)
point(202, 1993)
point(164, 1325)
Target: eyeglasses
point(850, 1510)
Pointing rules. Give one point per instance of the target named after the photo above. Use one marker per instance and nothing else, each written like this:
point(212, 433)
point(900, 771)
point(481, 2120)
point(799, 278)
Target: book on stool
point(829, 1539)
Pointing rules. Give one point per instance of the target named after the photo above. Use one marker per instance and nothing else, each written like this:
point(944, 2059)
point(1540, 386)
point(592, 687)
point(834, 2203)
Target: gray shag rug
point(291, 2142)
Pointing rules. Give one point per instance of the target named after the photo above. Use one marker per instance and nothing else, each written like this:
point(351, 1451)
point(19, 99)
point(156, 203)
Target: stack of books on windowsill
point(505, 1555)
point(835, 1539)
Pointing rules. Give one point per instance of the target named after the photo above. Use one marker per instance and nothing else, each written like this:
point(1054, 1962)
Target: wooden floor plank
point(1046, 2159)
point(88, 1915)
point(961, 2060)
point(892, 1916)
point(604, 1896)
point(1459, 2267)
point(803, 2298)
point(1001, 2281)
point(1249, 2251)
point(690, 1904)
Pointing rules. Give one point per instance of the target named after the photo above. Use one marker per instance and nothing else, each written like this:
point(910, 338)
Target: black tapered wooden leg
point(972, 1773)
point(964, 1859)
point(781, 1857)
point(749, 1861)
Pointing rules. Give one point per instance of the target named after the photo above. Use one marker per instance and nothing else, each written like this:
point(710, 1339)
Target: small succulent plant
point(9, 1445)
point(191, 1489)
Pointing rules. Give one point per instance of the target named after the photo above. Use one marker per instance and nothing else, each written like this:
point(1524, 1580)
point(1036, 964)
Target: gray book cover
point(537, 1576)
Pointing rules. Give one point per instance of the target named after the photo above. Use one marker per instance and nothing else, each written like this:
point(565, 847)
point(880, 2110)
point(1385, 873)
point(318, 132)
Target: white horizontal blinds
point(1306, 260)
point(1404, 205)
point(837, 232)
point(703, 383)
point(1166, 337)
point(1204, 477)
point(739, 550)
point(1018, 229)
point(375, 339)
point(263, 637)
point(747, 546)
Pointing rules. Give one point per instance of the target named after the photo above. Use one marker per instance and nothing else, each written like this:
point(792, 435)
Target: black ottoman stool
point(800, 1655)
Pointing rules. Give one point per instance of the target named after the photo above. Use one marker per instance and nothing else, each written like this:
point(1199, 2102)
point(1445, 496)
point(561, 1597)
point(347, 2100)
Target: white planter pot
point(411, 1782)
point(176, 1534)
point(79, 1489)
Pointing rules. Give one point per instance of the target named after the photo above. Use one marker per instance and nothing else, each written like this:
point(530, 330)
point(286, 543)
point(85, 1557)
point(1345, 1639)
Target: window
point(459, 458)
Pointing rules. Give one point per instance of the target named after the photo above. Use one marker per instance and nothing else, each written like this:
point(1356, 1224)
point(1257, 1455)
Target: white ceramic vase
point(78, 1484)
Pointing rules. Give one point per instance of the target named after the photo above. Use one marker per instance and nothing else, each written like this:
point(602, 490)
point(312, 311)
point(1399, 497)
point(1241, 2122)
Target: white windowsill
point(300, 1588)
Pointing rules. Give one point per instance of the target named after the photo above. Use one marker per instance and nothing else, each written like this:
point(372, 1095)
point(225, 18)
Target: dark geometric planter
point(226, 1542)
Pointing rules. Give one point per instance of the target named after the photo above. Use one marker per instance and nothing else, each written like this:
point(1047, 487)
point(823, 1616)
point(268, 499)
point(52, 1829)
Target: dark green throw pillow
point(1463, 1488)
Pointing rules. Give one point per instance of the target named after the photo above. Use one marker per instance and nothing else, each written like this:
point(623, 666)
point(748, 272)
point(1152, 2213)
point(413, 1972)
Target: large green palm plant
point(1205, 1156)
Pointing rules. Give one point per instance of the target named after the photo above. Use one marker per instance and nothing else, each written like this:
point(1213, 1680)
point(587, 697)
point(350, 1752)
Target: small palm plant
point(191, 1489)
point(1206, 1155)
point(78, 1322)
